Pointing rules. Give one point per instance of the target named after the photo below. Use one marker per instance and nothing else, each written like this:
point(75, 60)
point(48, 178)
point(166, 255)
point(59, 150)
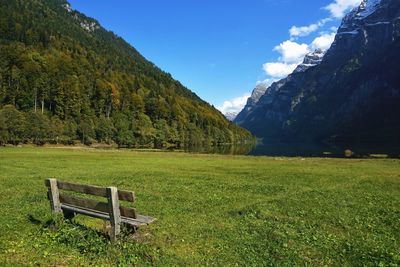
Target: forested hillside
point(65, 78)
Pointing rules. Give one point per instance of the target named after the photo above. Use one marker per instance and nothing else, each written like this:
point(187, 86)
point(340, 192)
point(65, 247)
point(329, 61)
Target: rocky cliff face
point(352, 94)
point(231, 116)
point(257, 93)
point(310, 60)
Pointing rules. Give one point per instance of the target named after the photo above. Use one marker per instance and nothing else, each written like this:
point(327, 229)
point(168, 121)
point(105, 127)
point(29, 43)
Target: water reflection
point(303, 150)
point(326, 150)
point(222, 149)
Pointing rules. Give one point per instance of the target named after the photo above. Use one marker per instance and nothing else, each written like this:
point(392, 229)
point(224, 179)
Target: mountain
point(231, 116)
point(352, 95)
point(310, 60)
point(64, 77)
point(257, 93)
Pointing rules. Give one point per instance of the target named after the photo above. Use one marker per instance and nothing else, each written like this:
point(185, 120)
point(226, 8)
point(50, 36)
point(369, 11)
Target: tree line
point(125, 130)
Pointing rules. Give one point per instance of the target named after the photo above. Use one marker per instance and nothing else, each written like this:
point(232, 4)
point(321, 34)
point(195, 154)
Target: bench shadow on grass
point(94, 245)
point(61, 223)
point(54, 226)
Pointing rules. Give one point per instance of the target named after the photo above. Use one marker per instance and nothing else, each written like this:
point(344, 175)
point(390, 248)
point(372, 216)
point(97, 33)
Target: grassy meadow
point(210, 209)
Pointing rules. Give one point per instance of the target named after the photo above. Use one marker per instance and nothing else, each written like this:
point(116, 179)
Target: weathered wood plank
point(93, 190)
point(88, 212)
point(85, 189)
point(126, 195)
point(142, 220)
point(84, 203)
point(115, 215)
point(103, 215)
point(95, 205)
point(145, 219)
point(54, 195)
point(128, 212)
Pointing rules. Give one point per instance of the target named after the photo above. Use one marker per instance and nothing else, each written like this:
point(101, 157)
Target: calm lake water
point(303, 150)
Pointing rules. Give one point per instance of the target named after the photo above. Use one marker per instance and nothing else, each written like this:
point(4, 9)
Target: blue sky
point(220, 49)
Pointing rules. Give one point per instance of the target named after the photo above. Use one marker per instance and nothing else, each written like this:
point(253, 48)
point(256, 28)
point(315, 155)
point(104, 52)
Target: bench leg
point(115, 215)
point(54, 196)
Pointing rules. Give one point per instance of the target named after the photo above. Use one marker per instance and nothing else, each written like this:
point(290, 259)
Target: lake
point(292, 149)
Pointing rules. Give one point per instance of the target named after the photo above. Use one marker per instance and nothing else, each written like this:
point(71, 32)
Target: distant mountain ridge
point(256, 94)
point(63, 77)
point(352, 94)
point(231, 116)
point(310, 60)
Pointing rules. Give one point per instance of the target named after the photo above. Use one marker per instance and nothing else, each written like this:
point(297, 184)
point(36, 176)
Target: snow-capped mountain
point(367, 7)
point(310, 60)
point(371, 26)
point(352, 93)
point(231, 115)
point(257, 93)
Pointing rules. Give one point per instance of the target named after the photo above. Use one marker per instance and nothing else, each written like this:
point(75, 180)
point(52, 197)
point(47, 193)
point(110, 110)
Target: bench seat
point(140, 220)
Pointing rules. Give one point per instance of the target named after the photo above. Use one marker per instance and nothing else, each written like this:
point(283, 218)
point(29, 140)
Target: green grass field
point(211, 209)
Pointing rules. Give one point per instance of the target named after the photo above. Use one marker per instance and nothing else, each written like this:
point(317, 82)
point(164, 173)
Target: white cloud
point(303, 31)
point(291, 52)
point(338, 8)
point(323, 41)
point(234, 105)
point(279, 70)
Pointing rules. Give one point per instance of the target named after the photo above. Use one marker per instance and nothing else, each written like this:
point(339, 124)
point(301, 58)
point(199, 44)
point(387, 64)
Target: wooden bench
point(110, 210)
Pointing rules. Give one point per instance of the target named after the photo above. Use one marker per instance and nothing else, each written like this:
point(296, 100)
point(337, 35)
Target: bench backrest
point(58, 197)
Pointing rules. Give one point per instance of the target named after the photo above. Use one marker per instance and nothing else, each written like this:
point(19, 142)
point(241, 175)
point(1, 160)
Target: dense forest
point(64, 78)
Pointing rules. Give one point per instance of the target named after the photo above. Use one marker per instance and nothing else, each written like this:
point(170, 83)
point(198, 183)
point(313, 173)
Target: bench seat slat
point(142, 220)
point(139, 221)
point(145, 219)
point(89, 212)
